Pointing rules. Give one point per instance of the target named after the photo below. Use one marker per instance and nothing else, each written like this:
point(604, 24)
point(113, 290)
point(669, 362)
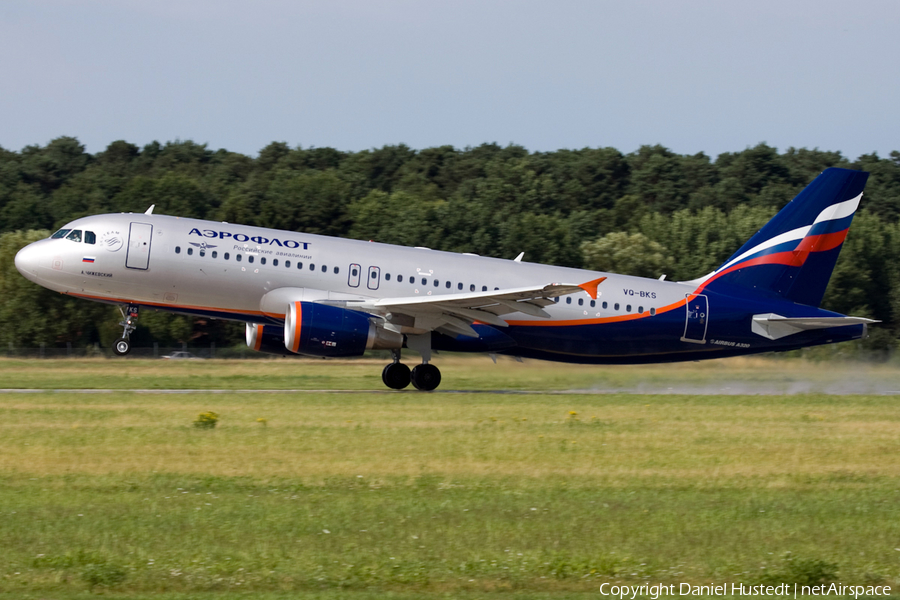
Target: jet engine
point(266, 338)
point(323, 330)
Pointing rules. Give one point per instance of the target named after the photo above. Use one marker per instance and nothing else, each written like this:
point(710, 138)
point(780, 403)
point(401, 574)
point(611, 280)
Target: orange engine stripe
point(298, 318)
point(259, 336)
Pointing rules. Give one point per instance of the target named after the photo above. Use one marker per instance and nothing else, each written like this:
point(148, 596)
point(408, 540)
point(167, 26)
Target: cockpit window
point(89, 237)
point(60, 234)
point(75, 236)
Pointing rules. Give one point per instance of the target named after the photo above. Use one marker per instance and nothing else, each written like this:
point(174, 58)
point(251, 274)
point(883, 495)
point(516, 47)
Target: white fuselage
point(225, 270)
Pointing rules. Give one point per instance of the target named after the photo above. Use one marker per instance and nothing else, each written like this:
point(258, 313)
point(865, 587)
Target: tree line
point(648, 212)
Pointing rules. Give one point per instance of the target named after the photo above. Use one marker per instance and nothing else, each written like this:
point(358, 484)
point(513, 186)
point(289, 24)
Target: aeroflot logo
point(242, 237)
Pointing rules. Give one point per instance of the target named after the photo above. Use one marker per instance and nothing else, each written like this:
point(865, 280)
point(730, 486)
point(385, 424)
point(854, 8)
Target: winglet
point(591, 287)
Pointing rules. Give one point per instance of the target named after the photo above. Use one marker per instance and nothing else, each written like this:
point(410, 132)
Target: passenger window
point(202, 252)
point(287, 264)
point(412, 280)
point(484, 288)
point(274, 262)
point(226, 256)
point(399, 278)
point(627, 308)
point(238, 257)
point(250, 258)
point(652, 312)
point(569, 300)
point(75, 236)
point(337, 270)
point(60, 234)
point(374, 274)
point(89, 237)
point(556, 299)
point(215, 254)
point(581, 302)
point(387, 276)
point(190, 251)
point(593, 303)
point(299, 265)
point(424, 281)
point(459, 285)
point(448, 285)
point(324, 269)
point(312, 267)
point(616, 306)
point(177, 249)
point(640, 309)
point(436, 283)
point(262, 260)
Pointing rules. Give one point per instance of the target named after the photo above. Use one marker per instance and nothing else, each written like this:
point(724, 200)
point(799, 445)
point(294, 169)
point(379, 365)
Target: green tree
point(313, 201)
point(627, 254)
point(398, 218)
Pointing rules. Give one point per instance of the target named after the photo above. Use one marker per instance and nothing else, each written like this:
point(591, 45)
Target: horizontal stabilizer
point(774, 326)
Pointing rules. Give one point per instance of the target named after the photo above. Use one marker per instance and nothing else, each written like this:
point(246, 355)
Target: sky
point(695, 76)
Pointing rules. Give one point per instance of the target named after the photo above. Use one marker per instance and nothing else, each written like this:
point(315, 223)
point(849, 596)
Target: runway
point(742, 389)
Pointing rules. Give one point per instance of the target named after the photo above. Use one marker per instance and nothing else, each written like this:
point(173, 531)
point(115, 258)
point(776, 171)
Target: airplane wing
point(455, 313)
point(774, 326)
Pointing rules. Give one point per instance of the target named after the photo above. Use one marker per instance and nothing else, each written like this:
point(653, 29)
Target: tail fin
point(793, 255)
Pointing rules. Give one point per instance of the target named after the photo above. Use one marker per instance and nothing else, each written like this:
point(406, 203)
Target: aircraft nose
point(27, 260)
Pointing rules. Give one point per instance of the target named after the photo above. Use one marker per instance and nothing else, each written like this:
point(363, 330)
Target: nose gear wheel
point(122, 346)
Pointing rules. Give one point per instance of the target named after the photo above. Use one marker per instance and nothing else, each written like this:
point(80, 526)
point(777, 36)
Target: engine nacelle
point(324, 330)
point(266, 338)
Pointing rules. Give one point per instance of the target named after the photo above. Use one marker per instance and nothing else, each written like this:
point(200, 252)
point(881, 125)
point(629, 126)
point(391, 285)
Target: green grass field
point(469, 494)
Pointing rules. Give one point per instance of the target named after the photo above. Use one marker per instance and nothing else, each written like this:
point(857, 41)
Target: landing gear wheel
point(121, 347)
point(396, 376)
point(426, 377)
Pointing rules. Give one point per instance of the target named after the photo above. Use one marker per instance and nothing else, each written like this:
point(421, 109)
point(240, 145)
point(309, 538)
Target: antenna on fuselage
point(519, 257)
point(149, 211)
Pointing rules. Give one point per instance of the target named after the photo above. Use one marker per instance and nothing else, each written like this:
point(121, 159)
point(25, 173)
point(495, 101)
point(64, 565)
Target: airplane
point(321, 296)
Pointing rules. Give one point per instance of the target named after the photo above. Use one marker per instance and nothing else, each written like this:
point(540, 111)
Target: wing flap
point(457, 312)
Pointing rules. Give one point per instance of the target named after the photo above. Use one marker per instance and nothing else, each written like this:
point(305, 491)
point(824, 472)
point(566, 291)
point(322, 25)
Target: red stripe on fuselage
point(173, 307)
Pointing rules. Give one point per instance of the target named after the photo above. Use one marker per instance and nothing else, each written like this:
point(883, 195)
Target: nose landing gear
point(122, 346)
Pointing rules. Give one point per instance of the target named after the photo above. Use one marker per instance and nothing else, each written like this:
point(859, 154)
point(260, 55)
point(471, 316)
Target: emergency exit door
point(139, 239)
point(696, 320)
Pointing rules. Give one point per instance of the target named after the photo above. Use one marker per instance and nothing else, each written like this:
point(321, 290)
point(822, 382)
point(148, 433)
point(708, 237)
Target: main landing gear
point(396, 375)
point(425, 377)
point(122, 346)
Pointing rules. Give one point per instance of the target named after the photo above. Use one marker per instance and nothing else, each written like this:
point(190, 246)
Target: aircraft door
point(696, 319)
point(353, 279)
point(139, 239)
point(374, 277)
